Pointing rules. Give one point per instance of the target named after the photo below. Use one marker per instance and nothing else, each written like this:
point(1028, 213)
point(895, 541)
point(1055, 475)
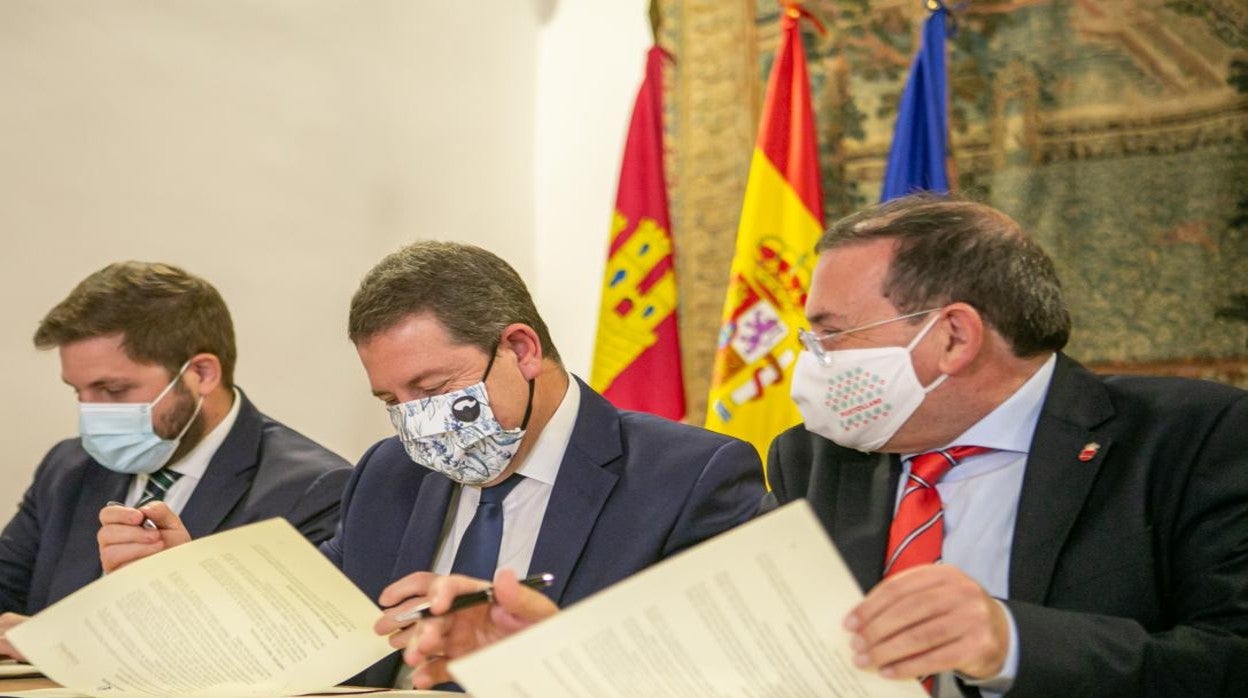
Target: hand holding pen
point(147, 523)
point(514, 605)
point(469, 599)
point(127, 534)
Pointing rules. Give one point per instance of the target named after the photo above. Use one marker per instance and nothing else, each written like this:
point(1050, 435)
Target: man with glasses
point(1020, 523)
point(1093, 531)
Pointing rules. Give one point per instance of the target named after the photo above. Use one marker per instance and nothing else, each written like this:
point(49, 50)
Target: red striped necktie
point(918, 528)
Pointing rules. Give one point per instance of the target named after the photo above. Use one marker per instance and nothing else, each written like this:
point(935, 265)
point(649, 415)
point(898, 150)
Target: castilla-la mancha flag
point(637, 353)
point(781, 220)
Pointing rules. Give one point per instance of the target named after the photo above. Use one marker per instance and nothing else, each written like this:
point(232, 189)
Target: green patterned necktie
point(158, 484)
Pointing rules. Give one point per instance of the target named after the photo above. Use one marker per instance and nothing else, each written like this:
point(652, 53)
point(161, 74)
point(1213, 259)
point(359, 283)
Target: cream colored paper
point(754, 612)
point(254, 611)
point(11, 668)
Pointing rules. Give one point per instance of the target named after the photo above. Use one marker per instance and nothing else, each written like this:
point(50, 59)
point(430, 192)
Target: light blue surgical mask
point(122, 437)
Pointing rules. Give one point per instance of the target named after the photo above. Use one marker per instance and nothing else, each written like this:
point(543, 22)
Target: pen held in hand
point(473, 598)
point(147, 523)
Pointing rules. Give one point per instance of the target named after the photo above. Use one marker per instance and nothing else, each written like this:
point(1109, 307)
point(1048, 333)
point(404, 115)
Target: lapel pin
point(1089, 451)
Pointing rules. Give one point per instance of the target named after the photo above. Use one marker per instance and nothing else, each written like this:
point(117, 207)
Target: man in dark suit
point(1095, 530)
point(149, 351)
point(502, 459)
point(599, 494)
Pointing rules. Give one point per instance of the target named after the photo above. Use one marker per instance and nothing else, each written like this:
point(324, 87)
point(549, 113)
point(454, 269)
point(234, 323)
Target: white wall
point(279, 148)
point(591, 57)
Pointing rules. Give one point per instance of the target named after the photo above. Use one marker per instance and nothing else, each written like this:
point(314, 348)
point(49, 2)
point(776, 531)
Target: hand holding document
point(8, 621)
point(756, 611)
point(254, 611)
point(514, 605)
point(469, 599)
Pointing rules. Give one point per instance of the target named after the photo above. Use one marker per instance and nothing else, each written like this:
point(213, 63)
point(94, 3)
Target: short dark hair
point(471, 292)
point(164, 315)
point(952, 250)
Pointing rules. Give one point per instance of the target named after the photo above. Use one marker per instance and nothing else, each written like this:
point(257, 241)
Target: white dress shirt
point(192, 466)
point(523, 509)
point(525, 506)
point(980, 499)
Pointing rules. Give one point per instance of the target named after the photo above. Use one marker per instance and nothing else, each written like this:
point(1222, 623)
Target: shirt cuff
point(1004, 680)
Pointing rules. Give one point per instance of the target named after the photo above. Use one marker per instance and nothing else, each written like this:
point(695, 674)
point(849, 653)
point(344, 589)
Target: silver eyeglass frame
point(813, 343)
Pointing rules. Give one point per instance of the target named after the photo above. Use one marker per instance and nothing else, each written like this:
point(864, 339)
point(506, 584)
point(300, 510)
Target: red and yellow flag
point(637, 353)
point(781, 220)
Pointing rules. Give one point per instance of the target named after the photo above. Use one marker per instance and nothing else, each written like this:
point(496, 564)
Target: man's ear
point(523, 341)
point(204, 373)
point(962, 336)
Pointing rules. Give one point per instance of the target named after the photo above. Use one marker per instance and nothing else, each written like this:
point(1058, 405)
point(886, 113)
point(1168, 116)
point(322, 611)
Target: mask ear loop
point(151, 406)
point(922, 333)
point(165, 392)
point(915, 342)
point(198, 403)
point(528, 408)
point(490, 364)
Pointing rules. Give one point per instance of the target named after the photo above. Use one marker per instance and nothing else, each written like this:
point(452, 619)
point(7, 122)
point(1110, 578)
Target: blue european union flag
point(916, 161)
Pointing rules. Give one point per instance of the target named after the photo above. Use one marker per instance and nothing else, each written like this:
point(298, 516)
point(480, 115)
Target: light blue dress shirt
point(980, 500)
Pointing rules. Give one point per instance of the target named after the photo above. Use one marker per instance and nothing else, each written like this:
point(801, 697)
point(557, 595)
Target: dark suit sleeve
point(726, 494)
point(1204, 578)
point(776, 492)
point(332, 546)
point(789, 463)
point(316, 512)
point(19, 547)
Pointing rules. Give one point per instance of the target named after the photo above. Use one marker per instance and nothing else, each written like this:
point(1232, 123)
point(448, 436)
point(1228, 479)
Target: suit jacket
point(262, 469)
point(1129, 572)
point(632, 489)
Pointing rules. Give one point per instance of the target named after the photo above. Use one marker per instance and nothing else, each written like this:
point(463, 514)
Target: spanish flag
point(781, 220)
point(637, 353)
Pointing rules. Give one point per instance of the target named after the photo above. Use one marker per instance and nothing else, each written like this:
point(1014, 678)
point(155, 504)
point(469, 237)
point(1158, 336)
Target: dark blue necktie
point(478, 549)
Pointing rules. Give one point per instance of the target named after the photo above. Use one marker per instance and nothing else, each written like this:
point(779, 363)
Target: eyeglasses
point(821, 345)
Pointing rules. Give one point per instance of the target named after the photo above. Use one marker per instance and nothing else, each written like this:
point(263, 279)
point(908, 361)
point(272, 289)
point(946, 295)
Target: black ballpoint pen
point(472, 598)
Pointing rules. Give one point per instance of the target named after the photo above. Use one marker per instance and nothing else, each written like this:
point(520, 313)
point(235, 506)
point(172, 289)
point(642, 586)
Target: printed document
point(756, 611)
point(254, 611)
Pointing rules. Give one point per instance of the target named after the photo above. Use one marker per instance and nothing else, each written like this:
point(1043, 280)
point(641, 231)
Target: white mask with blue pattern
point(456, 433)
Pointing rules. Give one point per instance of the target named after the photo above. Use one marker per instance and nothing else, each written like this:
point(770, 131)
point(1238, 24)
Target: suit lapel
point(229, 474)
point(864, 492)
point(415, 554)
point(80, 558)
point(1056, 482)
point(424, 526)
point(581, 489)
